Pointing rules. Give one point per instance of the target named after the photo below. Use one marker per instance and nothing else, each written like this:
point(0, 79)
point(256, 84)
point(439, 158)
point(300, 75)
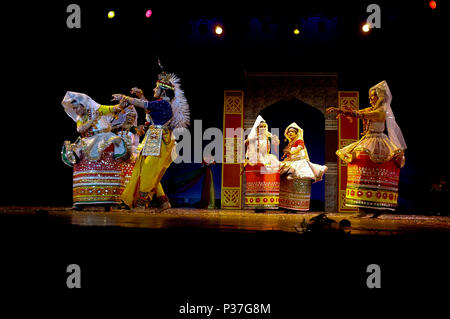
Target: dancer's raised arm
point(131, 100)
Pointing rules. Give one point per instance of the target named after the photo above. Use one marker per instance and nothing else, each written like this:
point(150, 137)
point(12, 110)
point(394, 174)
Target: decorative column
point(232, 163)
point(331, 177)
point(348, 129)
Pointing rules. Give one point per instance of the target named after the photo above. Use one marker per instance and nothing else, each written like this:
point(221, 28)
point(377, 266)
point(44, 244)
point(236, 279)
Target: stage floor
point(230, 220)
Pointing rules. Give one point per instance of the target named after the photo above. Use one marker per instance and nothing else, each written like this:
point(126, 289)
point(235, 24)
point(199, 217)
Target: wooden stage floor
point(230, 220)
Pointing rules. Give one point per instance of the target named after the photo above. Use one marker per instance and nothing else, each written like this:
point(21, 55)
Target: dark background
point(44, 59)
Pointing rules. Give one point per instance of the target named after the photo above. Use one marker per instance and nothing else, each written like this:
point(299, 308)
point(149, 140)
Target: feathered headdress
point(164, 79)
point(180, 106)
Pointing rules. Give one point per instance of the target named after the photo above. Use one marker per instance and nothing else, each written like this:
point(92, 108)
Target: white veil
point(74, 98)
point(394, 131)
point(300, 135)
point(251, 151)
point(253, 131)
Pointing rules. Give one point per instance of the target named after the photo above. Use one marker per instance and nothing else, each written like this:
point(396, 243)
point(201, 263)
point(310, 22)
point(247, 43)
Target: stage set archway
point(318, 90)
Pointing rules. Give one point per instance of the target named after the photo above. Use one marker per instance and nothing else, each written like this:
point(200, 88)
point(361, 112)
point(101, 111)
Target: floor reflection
point(232, 220)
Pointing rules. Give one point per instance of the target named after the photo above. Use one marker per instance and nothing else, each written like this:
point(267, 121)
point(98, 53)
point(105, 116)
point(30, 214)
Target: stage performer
point(375, 160)
point(97, 175)
point(261, 168)
point(297, 172)
point(170, 110)
point(159, 198)
point(124, 125)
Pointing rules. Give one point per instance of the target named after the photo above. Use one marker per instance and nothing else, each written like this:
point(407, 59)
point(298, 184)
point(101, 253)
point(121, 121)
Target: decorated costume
point(123, 125)
point(97, 173)
point(261, 169)
point(155, 151)
point(297, 172)
point(375, 160)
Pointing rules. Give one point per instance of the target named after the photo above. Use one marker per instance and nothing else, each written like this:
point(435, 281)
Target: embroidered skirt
point(295, 193)
point(262, 187)
point(126, 168)
point(372, 185)
point(98, 181)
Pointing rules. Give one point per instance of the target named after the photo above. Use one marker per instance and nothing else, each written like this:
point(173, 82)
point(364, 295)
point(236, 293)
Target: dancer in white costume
point(261, 168)
point(297, 172)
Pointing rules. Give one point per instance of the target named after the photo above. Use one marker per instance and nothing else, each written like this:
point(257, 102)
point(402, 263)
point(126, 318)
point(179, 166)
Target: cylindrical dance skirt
point(295, 193)
point(127, 171)
point(98, 182)
point(262, 188)
point(372, 185)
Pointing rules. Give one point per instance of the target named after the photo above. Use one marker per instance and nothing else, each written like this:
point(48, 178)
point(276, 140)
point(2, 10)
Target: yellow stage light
point(296, 31)
point(218, 30)
point(366, 27)
point(111, 14)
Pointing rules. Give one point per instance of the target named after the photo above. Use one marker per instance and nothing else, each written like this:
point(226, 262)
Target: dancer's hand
point(140, 130)
point(138, 92)
point(275, 139)
point(117, 97)
point(123, 103)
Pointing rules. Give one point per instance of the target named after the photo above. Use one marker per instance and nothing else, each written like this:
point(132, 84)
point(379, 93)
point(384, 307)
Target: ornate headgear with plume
point(180, 106)
point(164, 81)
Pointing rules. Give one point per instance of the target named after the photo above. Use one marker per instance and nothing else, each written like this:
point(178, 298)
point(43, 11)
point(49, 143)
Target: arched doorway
point(279, 115)
point(317, 90)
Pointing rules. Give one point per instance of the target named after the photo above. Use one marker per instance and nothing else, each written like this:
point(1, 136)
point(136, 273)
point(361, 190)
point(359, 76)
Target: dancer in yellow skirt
point(169, 111)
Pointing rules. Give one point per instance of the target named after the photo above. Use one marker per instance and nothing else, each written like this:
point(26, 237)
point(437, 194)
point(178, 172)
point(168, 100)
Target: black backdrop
point(44, 59)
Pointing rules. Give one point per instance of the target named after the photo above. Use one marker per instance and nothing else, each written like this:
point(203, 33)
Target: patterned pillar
point(233, 114)
point(348, 133)
point(331, 177)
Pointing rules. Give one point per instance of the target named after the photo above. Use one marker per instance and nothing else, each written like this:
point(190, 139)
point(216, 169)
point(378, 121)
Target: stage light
point(366, 27)
point(432, 4)
point(111, 14)
point(218, 30)
point(296, 31)
point(149, 13)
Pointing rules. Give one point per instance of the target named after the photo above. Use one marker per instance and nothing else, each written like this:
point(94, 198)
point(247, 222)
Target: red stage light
point(149, 13)
point(432, 4)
